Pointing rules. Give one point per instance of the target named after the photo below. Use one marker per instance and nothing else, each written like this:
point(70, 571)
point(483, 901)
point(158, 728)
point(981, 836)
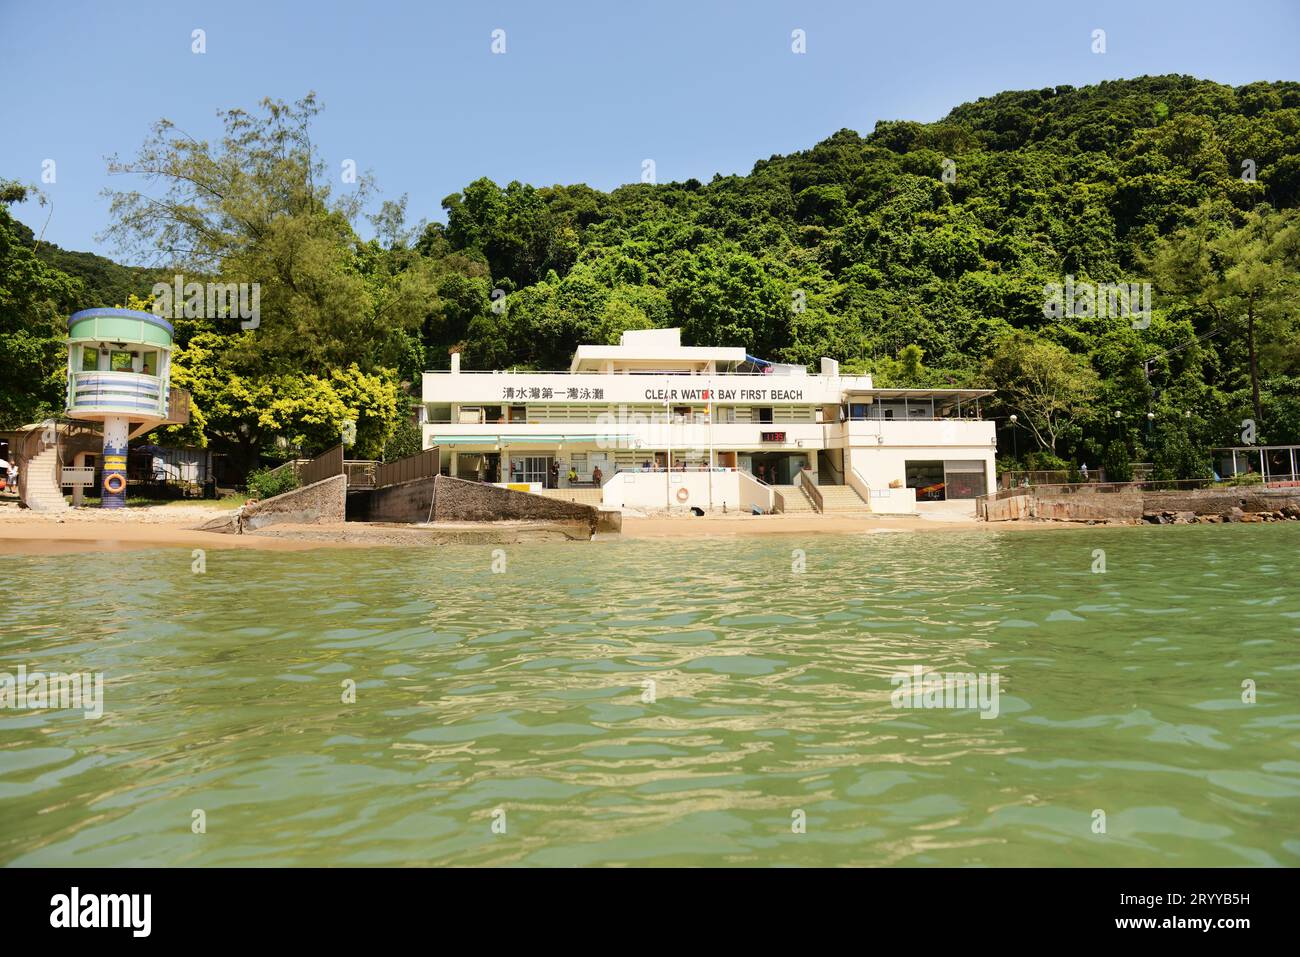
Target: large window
point(938, 481)
point(927, 478)
point(89, 358)
point(120, 361)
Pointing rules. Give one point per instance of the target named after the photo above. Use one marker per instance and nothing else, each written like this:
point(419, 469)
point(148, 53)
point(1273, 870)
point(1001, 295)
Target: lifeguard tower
point(119, 366)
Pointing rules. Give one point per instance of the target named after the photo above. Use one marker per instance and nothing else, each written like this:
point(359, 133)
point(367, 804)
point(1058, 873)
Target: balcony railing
point(124, 392)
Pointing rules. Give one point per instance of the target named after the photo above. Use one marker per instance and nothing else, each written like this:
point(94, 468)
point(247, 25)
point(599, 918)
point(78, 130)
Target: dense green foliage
point(35, 299)
point(267, 483)
point(919, 252)
point(860, 248)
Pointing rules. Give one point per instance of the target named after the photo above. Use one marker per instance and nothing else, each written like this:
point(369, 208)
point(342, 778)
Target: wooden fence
point(326, 465)
point(364, 473)
point(420, 465)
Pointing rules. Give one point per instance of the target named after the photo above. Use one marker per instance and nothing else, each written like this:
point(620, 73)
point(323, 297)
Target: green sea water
point(505, 717)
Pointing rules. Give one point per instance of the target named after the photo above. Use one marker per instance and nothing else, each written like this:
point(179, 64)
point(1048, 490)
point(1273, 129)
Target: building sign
point(773, 436)
point(597, 394)
point(507, 387)
point(724, 395)
point(550, 393)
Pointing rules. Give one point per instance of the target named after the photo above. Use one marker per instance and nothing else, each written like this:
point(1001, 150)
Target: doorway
point(531, 468)
point(777, 468)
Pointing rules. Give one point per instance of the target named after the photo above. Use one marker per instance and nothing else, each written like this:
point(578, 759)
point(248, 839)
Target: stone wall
point(321, 501)
point(1216, 501)
point(404, 502)
point(456, 500)
point(1130, 506)
point(1088, 507)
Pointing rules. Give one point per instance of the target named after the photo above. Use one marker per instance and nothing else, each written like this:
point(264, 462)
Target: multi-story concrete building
point(652, 423)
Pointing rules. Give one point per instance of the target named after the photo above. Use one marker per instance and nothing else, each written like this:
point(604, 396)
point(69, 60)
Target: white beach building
point(651, 423)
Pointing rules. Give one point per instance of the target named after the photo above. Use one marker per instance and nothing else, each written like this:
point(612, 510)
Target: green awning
point(526, 439)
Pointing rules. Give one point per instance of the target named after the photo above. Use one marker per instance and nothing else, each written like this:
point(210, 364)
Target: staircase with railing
point(43, 453)
point(794, 499)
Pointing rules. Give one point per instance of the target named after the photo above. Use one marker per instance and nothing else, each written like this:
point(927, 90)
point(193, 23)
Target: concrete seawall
point(1132, 506)
point(443, 499)
point(407, 502)
point(321, 501)
point(456, 500)
point(438, 499)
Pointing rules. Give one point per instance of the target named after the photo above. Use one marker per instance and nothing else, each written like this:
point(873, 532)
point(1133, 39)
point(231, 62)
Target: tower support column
point(116, 432)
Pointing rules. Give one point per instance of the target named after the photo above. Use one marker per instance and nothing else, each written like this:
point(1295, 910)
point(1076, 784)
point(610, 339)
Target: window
point(89, 358)
point(726, 413)
point(120, 361)
point(764, 414)
point(149, 365)
point(928, 480)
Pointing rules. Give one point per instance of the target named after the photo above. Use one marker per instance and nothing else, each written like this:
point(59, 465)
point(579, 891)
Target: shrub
point(406, 440)
point(265, 483)
point(1178, 458)
point(1041, 460)
point(1116, 463)
point(1246, 478)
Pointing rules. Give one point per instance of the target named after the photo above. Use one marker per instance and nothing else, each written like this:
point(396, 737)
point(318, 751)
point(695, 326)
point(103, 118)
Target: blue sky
point(585, 91)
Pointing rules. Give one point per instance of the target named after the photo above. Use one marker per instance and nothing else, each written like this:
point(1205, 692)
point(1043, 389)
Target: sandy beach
point(93, 529)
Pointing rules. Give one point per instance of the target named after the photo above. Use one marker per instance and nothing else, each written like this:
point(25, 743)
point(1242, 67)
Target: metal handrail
point(810, 487)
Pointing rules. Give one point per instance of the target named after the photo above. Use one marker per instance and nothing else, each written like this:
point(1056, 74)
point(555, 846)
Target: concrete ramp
point(322, 501)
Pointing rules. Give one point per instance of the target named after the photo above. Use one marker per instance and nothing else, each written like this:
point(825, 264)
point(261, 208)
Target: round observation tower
point(119, 362)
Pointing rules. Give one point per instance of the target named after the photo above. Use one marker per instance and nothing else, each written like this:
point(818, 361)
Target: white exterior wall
point(878, 453)
point(633, 416)
point(652, 491)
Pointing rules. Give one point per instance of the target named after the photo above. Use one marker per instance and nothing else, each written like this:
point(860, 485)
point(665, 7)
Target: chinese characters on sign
point(545, 392)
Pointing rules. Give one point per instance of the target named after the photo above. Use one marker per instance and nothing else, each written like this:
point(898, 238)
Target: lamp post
point(1015, 445)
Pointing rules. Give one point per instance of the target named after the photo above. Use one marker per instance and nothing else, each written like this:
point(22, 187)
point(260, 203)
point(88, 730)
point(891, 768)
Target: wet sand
point(46, 536)
point(90, 530)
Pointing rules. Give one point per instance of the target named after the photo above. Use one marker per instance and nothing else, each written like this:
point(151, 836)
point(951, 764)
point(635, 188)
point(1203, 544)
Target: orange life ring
point(683, 494)
point(114, 482)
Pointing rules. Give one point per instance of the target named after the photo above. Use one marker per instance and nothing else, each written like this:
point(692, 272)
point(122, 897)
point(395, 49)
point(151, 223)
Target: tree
point(1042, 381)
point(338, 316)
point(1242, 270)
point(34, 299)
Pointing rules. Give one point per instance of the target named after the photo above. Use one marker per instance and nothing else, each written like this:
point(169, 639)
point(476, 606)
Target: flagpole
point(708, 411)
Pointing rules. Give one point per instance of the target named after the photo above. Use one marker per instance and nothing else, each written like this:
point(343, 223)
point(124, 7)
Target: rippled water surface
point(525, 692)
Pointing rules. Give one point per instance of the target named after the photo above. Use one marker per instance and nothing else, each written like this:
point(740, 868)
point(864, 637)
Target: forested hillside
point(919, 252)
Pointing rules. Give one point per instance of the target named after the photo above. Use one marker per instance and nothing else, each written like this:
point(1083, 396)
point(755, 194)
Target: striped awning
point(525, 439)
